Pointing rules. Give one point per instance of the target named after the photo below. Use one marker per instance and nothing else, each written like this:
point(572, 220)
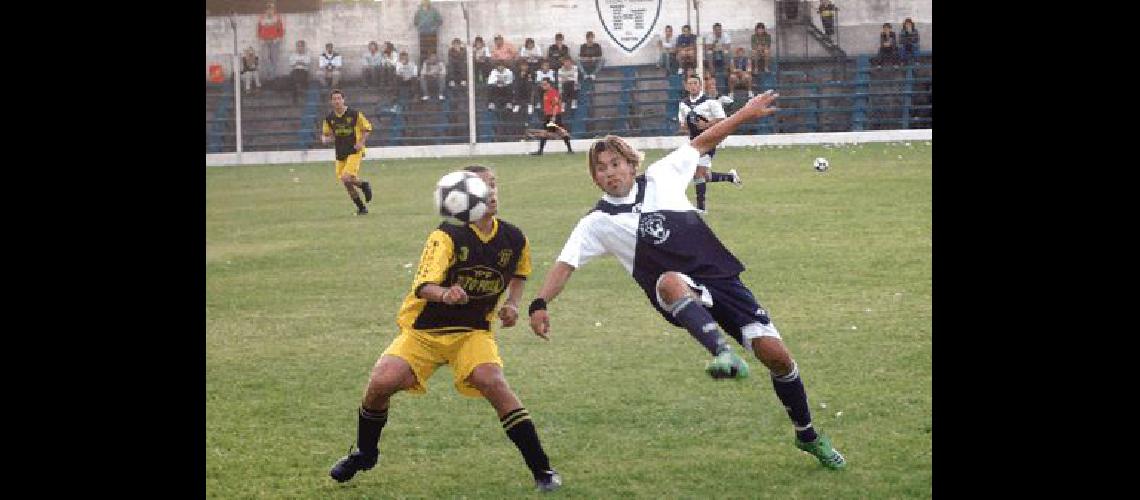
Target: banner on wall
point(629, 23)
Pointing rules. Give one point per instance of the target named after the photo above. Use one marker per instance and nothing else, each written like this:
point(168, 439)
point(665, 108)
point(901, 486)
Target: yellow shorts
point(350, 165)
point(462, 351)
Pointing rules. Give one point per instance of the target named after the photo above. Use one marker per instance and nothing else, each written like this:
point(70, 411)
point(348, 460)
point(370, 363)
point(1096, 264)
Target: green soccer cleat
point(727, 365)
point(821, 449)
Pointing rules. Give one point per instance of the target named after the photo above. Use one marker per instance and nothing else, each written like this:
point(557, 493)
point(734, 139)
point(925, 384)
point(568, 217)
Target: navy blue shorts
point(733, 306)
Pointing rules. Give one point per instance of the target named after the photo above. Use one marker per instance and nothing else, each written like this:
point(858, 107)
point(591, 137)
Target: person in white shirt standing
point(405, 80)
point(329, 63)
point(299, 62)
point(685, 271)
point(568, 82)
point(668, 44)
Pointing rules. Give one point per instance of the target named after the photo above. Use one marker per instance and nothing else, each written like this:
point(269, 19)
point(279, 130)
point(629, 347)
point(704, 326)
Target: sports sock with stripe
point(520, 429)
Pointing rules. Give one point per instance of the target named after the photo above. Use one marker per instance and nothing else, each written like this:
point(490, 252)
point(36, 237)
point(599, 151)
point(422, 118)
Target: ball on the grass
point(820, 164)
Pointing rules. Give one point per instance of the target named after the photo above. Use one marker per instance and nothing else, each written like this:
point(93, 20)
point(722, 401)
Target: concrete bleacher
point(817, 95)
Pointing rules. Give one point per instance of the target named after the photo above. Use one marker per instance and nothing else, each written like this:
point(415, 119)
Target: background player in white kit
point(697, 112)
point(685, 271)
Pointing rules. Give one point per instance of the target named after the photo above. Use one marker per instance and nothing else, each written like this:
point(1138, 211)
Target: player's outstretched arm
point(555, 280)
point(756, 108)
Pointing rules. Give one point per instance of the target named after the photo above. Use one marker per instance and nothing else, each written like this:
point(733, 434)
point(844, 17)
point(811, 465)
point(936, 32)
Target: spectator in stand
point(531, 53)
point(741, 73)
point(568, 83)
point(718, 47)
point(557, 52)
point(909, 41)
point(405, 80)
point(299, 62)
point(270, 30)
point(888, 46)
point(590, 56)
point(457, 63)
point(482, 55)
point(668, 44)
point(827, 12)
point(545, 72)
point(428, 21)
point(761, 48)
point(503, 52)
point(372, 65)
point(500, 81)
point(523, 86)
point(249, 70)
point(686, 50)
point(329, 63)
point(434, 72)
point(389, 58)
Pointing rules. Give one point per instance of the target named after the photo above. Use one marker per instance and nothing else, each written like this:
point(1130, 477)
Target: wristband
point(535, 305)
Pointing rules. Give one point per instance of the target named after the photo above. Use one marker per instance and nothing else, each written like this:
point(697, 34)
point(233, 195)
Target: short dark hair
point(589, 33)
point(558, 36)
point(761, 26)
point(716, 24)
point(478, 169)
point(336, 91)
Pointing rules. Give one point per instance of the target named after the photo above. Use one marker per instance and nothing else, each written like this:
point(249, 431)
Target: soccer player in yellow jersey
point(347, 129)
point(446, 319)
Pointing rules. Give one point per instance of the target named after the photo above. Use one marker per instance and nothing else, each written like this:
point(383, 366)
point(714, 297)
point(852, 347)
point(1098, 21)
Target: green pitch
point(301, 298)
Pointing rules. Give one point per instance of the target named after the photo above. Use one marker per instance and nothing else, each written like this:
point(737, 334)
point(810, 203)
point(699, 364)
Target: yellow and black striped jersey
point(483, 264)
point(346, 129)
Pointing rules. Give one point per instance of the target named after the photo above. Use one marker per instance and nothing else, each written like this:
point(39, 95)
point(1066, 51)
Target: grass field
point(301, 298)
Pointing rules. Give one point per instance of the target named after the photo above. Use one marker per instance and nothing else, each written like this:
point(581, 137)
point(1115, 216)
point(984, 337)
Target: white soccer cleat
point(736, 178)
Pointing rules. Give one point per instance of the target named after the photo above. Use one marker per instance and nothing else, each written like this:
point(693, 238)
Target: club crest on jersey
point(505, 257)
point(629, 23)
point(652, 226)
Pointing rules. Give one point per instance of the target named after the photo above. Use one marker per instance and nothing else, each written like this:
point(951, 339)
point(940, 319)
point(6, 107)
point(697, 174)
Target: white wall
point(350, 26)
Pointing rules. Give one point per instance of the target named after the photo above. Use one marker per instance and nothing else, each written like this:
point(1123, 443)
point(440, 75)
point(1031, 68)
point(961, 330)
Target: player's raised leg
point(489, 380)
point(389, 375)
point(772, 352)
point(676, 297)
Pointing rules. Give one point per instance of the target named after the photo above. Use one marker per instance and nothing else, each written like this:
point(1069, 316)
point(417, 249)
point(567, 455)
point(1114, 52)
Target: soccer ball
point(820, 164)
point(461, 196)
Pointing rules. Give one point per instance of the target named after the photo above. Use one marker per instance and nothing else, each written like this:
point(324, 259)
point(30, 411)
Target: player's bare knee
point(346, 179)
point(671, 287)
point(773, 355)
point(487, 378)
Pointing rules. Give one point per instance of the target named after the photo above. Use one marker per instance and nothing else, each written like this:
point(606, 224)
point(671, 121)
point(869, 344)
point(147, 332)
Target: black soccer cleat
point(363, 211)
point(549, 480)
point(367, 189)
point(348, 466)
point(535, 153)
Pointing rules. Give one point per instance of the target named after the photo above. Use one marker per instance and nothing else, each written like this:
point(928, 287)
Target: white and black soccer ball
point(461, 196)
point(820, 164)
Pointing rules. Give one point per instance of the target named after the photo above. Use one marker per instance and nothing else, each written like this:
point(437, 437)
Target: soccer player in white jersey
point(685, 271)
point(696, 113)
